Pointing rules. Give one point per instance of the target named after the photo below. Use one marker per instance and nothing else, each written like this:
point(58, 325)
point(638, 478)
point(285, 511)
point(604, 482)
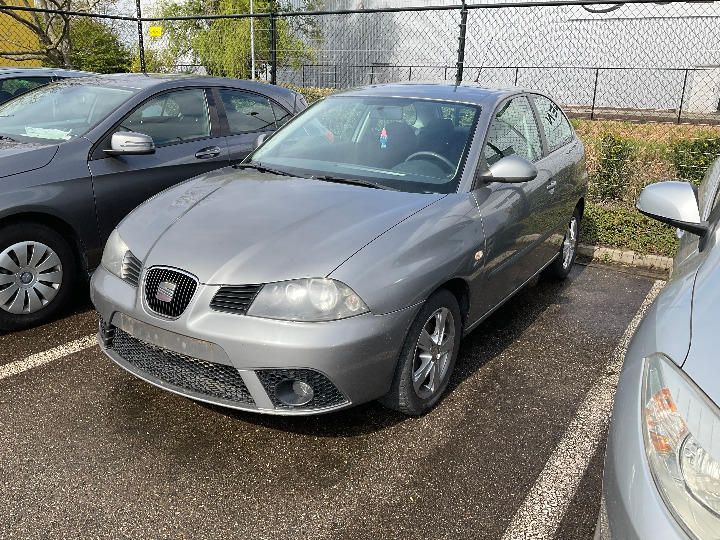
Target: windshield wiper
point(6, 138)
point(261, 168)
point(351, 181)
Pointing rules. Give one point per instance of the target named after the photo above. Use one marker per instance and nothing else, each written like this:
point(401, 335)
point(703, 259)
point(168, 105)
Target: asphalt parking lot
point(86, 450)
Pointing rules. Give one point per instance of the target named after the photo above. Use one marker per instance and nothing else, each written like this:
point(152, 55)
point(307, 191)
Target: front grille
point(326, 393)
point(181, 288)
point(199, 376)
point(236, 299)
point(131, 267)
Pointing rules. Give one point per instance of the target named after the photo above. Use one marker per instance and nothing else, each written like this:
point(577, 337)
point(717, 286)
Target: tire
point(560, 268)
point(37, 271)
point(416, 397)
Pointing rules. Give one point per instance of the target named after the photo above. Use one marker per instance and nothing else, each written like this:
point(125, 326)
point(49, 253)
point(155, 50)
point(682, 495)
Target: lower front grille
point(326, 394)
point(198, 376)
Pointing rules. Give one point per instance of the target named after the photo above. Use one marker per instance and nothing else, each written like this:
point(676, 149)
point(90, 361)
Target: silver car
point(345, 258)
point(662, 468)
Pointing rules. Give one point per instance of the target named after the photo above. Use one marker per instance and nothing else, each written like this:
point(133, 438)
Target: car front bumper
point(631, 507)
point(239, 361)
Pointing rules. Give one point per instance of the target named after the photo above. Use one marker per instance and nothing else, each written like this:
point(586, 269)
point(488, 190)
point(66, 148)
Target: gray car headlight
point(682, 442)
point(309, 300)
point(114, 253)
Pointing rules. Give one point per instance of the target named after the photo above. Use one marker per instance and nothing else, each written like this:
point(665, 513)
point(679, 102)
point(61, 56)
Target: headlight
point(310, 300)
point(114, 253)
point(682, 441)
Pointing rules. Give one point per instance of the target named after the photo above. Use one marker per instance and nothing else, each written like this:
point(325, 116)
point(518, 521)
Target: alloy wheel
point(30, 277)
point(433, 352)
point(570, 243)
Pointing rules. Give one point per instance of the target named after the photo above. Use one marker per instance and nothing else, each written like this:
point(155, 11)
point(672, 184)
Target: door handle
point(551, 185)
point(209, 152)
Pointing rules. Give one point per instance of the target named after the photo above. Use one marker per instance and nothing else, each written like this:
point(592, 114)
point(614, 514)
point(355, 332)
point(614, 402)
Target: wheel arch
point(460, 289)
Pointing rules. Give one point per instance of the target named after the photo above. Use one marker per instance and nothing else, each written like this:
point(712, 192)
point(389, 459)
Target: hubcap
point(433, 352)
point(30, 277)
point(570, 243)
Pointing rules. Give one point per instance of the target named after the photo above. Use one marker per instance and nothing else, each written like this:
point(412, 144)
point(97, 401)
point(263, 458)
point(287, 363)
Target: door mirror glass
point(512, 169)
point(675, 203)
point(261, 139)
point(130, 143)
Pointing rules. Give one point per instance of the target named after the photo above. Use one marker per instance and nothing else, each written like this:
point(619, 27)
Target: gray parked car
point(345, 259)
point(77, 155)
point(662, 468)
point(15, 82)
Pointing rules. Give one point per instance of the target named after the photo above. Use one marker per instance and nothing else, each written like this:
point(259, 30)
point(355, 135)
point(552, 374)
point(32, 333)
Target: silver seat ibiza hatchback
point(343, 261)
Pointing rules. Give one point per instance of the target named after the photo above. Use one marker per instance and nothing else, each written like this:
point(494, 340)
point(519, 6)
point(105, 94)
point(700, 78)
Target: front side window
point(173, 117)
point(390, 142)
point(513, 131)
point(247, 112)
point(59, 111)
point(556, 126)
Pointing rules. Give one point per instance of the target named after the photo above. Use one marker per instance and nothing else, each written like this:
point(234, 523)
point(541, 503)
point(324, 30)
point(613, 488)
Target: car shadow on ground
point(483, 344)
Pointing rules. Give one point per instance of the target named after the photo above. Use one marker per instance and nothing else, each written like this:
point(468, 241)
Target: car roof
point(142, 81)
point(472, 93)
point(6, 73)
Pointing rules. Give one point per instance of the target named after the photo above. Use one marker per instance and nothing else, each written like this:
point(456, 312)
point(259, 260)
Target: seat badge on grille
point(165, 291)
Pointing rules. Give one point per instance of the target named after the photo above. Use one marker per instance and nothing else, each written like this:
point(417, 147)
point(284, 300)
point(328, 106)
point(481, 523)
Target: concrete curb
point(627, 258)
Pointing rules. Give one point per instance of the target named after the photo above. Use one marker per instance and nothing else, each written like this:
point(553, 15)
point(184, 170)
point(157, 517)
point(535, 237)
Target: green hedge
point(619, 227)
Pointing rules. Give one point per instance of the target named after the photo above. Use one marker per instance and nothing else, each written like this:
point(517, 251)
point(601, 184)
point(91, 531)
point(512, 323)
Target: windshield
point(397, 143)
point(59, 112)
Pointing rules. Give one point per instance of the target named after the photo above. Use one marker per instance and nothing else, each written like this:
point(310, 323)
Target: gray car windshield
point(59, 112)
point(406, 144)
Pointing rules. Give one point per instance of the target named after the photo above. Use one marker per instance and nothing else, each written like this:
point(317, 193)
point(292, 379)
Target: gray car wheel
point(36, 269)
point(428, 356)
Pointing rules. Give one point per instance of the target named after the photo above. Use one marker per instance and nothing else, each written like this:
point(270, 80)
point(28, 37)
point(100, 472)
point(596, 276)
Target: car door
point(183, 126)
point(513, 216)
point(563, 162)
point(247, 116)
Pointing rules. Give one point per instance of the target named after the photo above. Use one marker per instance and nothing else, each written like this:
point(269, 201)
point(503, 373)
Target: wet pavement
point(86, 450)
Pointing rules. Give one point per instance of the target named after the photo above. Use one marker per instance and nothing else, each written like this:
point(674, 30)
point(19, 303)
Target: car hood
point(19, 157)
point(241, 227)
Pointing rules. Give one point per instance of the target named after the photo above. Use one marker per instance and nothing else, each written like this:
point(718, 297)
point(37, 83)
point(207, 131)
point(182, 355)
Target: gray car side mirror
point(675, 203)
point(512, 170)
point(130, 143)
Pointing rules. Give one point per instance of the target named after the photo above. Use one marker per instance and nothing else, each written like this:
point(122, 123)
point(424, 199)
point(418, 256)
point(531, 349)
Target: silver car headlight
point(682, 442)
point(309, 300)
point(114, 253)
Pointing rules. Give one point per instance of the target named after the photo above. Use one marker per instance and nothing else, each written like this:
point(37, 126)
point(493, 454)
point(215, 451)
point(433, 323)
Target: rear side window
point(247, 112)
point(555, 125)
point(172, 117)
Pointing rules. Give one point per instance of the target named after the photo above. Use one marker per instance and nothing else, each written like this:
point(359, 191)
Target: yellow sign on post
point(155, 31)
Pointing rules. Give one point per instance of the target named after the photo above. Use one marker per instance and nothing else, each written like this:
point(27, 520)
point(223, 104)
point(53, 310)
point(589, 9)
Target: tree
point(222, 46)
point(96, 47)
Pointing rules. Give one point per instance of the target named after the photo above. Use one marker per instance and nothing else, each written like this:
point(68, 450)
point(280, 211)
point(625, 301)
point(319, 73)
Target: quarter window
point(555, 125)
point(513, 131)
point(247, 112)
point(172, 117)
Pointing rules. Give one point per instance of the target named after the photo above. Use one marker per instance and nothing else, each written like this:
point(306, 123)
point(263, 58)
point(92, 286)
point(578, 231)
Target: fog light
point(293, 392)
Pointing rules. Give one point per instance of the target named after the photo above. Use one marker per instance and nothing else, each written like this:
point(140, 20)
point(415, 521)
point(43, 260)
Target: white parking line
point(544, 508)
point(39, 359)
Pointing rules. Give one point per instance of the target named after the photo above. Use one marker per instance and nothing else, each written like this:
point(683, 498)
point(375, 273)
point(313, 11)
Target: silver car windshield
point(59, 112)
point(411, 145)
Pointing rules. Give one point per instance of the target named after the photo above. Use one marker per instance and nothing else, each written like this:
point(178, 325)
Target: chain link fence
point(641, 80)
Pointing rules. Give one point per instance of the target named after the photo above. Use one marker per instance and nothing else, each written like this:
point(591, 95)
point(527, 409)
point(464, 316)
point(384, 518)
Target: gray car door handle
point(207, 153)
point(551, 185)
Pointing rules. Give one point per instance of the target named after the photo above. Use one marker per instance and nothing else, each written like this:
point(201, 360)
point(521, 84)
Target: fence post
point(592, 108)
point(517, 72)
point(141, 45)
point(273, 44)
point(303, 75)
point(682, 96)
point(461, 44)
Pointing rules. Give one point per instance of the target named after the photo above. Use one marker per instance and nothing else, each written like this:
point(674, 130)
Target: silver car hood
point(240, 227)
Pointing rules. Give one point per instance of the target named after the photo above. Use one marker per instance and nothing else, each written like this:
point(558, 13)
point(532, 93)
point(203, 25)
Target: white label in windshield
point(47, 133)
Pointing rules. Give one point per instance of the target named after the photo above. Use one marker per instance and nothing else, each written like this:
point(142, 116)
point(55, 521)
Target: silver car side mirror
point(129, 143)
point(512, 170)
point(675, 203)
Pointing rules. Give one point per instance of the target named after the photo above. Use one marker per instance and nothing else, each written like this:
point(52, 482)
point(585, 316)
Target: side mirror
point(261, 139)
point(130, 143)
point(512, 170)
point(675, 203)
